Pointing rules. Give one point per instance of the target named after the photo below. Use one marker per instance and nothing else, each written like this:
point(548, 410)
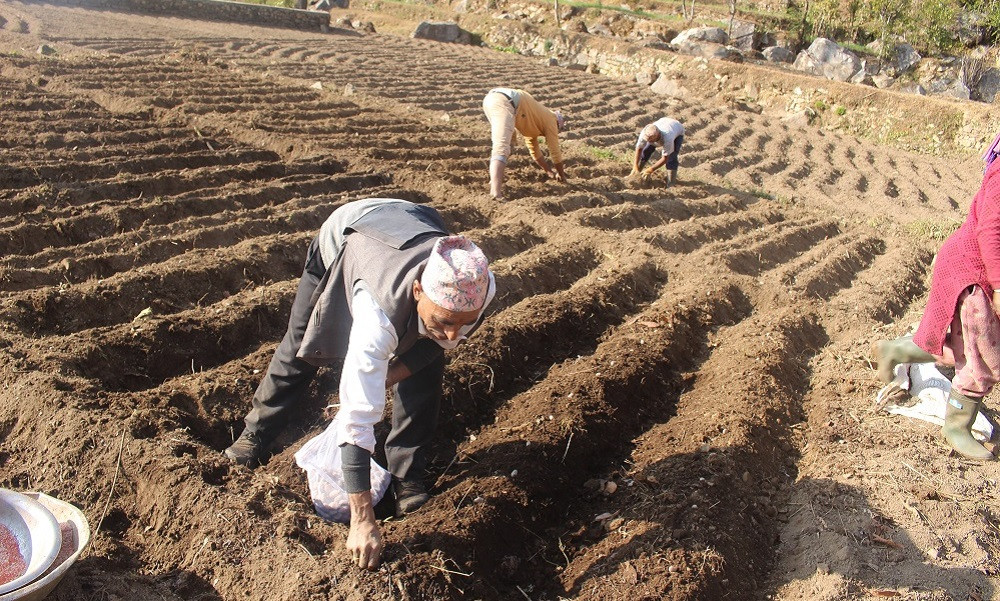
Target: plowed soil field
point(671, 399)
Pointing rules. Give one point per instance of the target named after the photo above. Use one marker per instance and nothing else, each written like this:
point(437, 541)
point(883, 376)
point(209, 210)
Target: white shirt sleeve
point(362, 382)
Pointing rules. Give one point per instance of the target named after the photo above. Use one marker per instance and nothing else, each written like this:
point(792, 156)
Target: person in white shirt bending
point(668, 134)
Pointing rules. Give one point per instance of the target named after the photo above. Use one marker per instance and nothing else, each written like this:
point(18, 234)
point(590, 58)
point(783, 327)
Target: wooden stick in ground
point(114, 481)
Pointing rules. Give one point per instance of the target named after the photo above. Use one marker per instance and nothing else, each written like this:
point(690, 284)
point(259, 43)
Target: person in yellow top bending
point(508, 109)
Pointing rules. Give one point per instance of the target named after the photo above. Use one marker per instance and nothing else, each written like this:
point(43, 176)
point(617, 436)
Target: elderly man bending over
point(386, 289)
point(508, 109)
point(668, 134)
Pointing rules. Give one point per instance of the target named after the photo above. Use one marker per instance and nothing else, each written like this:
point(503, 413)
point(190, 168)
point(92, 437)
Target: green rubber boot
point(890, 353)
point(960, 413)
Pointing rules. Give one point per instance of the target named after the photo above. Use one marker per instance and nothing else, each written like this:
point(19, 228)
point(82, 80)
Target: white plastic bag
point(320, 458)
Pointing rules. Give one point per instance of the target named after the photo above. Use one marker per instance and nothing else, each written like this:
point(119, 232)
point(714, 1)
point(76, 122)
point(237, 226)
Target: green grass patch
point(926, 229)
point(757, 192)
point(857, 48)
point(881, 223)
point(604, 153)
point(762, 193)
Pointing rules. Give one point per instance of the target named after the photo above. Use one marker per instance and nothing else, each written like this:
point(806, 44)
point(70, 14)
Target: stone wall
point(217, 10)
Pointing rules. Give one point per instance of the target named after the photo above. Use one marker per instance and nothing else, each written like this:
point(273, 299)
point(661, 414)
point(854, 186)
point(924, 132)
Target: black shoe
point(248, 449)
point(410, 495)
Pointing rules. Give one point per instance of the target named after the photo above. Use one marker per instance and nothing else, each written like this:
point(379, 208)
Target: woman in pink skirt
point(961, 323)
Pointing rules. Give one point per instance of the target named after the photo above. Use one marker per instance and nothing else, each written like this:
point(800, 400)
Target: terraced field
point(696, 347)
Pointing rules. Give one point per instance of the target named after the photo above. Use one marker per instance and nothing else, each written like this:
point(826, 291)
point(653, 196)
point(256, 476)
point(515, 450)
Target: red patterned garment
point(974, 341)
point(970, 256)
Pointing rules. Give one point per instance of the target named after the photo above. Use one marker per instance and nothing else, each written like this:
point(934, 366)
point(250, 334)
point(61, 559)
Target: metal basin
point(37, 534)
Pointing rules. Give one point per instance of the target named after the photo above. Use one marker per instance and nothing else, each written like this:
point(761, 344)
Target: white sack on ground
point(929, 390)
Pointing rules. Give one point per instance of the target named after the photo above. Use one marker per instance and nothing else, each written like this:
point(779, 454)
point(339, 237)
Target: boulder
point(805, 62)
point(743, 36)
point(906, 58)
point(988, 86)
point(708, 50)
point(727, 53)
point(826, 57)
point(954, 88)
point(912, 87)
point(779, 54)
point(656, 43)
point(899, 60)
point(870, 67)
point(882, 80)
point(862, 78)
point(645, 78)
point(599, 29)
point(668, 86)
point(442, 31)
point(799, 120)
point(653, 29)
point(714, 35)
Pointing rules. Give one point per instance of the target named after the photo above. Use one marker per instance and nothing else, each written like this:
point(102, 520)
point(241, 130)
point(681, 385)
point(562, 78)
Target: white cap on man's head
point(457, 275)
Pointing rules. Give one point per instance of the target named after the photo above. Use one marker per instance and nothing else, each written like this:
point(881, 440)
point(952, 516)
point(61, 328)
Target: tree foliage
point(989, 10)
point(931, 26)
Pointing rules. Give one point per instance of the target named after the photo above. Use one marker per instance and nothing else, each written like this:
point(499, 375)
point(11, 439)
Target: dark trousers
point(417, 399)
point(415, 408)
point(672, 162)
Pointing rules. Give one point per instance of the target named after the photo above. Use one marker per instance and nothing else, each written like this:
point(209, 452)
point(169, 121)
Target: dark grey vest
point(385, 252)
